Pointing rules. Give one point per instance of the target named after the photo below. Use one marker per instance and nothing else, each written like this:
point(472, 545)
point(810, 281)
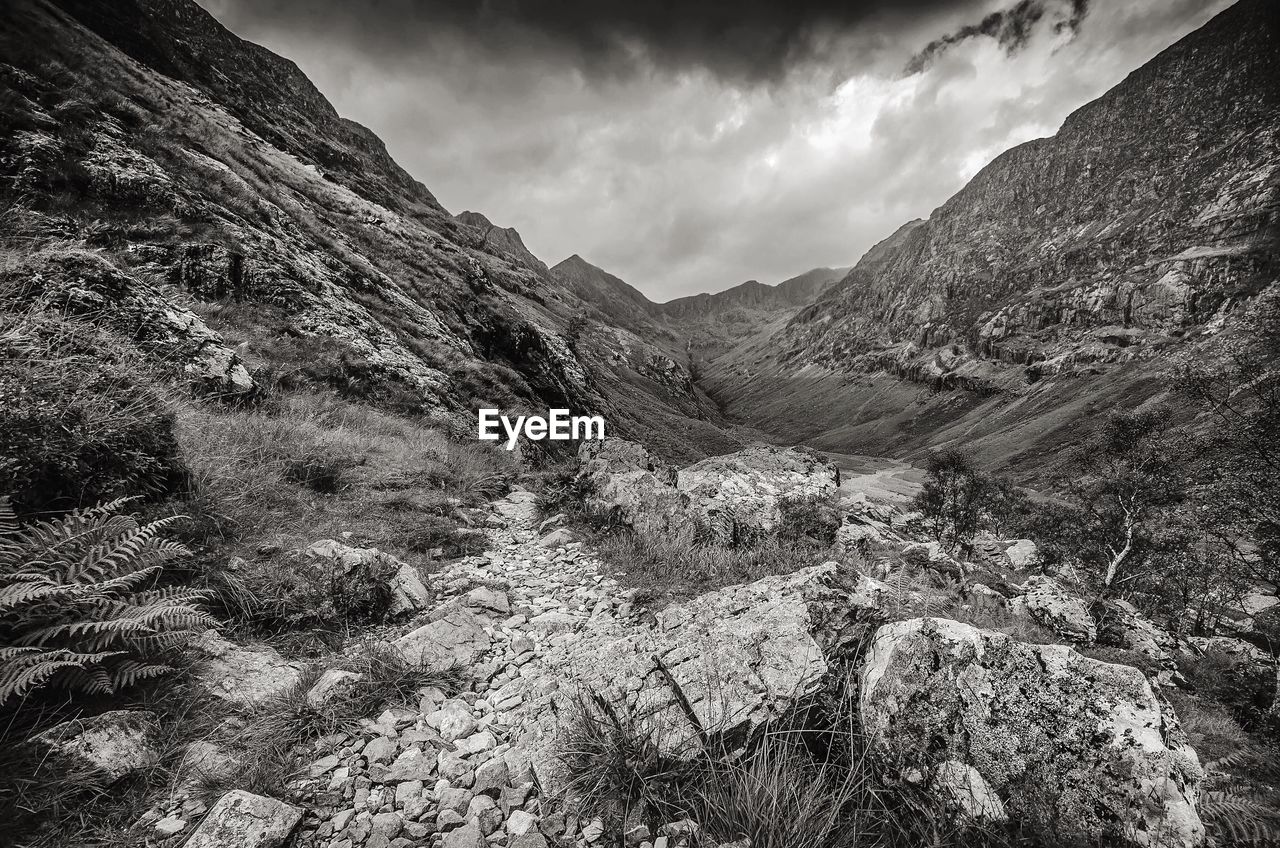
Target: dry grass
point(809, 781)
point(669, 568)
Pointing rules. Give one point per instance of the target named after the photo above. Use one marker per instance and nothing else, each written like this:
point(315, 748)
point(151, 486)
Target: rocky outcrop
point(737, 492)
point(749, 486)
point(1076, 749)
point(371, 566)
point(85, 284)
point(1048, 603)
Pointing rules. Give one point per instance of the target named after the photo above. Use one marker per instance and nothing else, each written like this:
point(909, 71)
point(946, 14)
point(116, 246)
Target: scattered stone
point(113, 744)
point(467, 836)
point(1049, 604)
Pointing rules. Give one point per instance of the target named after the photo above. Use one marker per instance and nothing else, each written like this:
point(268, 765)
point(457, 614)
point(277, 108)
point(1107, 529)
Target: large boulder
point(1080, 751)
point(1120, 625)
point(244, 676)
point(751, 484)
point(631, 484)
point(369, 565)
point(112, 744)
point(1046, 602)
point(456, 636)
point(243, 820)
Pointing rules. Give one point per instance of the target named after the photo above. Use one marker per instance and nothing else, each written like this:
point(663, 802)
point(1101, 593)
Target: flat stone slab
point(243, 820)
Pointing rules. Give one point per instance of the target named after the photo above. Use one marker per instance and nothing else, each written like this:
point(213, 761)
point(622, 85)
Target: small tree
point(956, 499)
point(1120, 523)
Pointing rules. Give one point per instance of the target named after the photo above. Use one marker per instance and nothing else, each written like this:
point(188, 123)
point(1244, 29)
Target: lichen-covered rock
point(1048, 603)
point(742, 656)
point(244, 820)
point(334, 685)
point(112, 744)
point(1076, 749)
point(242, 675)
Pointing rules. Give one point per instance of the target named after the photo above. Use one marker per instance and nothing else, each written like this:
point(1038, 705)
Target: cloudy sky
point(688, 146)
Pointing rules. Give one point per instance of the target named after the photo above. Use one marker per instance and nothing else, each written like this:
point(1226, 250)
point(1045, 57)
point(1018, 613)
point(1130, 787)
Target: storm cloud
point(690, 146)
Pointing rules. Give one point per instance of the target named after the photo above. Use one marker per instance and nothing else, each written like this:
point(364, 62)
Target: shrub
point(433, 533)
point(813, 519)
point(80, 607)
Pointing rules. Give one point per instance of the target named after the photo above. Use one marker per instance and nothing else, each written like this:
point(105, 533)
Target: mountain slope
point(1060, 280)
point(205, 177)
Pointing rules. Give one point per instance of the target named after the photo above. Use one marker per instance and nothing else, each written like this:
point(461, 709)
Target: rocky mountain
point(1059, 282)
point(504, 238)
point(155, 162)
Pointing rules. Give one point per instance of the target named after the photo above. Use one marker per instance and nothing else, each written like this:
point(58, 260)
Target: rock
point(334, 685)
point(240, 675)
point(520, 822)
point(453, 767)
point(556, 538)
point(532, 839)
point(412, 764)
point(593, 830)
point(966, 793)
point(1120, 625)
point(491, 776)
point(482, 597)
point(206, 762)
point(625, 480)
point(113, 744)
point(484, 812)
point(454, 720)
point(381, 749)
point(1077, 749)
point(467, 836)
point(408, 592)
point(749, 486)
point(455, 799)
point(244, 820)
point(169, 826)
point(1022, 554)
point(456, 639)
point(1047, 603)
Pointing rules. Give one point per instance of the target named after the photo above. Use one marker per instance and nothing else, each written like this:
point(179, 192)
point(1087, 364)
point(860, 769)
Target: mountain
point(199, 189)
point(1060, 282)
point(506, 239)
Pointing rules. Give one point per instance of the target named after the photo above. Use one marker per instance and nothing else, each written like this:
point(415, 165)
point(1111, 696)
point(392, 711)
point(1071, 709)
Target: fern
point(1240, 820)
point(79, 608)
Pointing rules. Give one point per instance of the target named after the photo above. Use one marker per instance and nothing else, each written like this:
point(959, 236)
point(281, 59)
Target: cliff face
point(1070, 267)
point(1151, 213)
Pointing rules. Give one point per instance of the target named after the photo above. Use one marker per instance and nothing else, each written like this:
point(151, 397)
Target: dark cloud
point(668, 168)
point(1011, 28)
point(744, 40)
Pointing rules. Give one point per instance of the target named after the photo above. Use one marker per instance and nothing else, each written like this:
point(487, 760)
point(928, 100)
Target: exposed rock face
point(1068, 268)
point(242, 675)
point(503, 238)
point(1121, 625)
point(628, 480)
point(244, 820)
point(1078, 749)
point(113, 744)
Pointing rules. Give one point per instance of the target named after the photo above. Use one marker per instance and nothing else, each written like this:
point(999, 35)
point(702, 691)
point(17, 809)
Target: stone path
point(449, 772)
